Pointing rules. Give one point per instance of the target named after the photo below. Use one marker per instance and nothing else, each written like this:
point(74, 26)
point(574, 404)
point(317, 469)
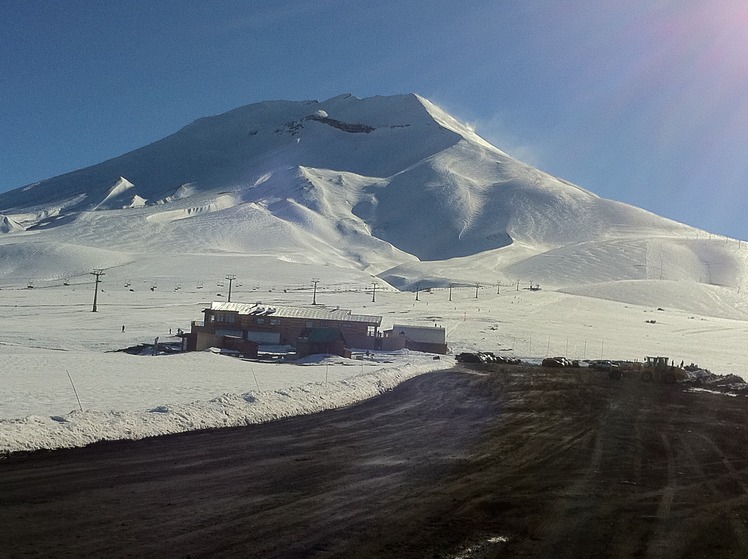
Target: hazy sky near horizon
point(642, 101)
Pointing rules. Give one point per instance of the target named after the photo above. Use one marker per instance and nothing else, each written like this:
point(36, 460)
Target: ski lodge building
point(429, 339)
point(318, 329)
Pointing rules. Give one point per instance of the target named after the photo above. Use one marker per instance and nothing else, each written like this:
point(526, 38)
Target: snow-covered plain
point(386, 190)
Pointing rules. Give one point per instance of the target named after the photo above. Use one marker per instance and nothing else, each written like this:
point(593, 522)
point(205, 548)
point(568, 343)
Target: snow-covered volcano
point(384, 186)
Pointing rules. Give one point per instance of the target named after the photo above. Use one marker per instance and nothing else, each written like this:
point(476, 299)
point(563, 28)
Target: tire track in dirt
point(565, 507)
point(738, 525)
point(659, 545)
point(704, 491)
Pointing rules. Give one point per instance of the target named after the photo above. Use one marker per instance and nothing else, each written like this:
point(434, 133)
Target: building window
point(275, 321)
point(260, 321)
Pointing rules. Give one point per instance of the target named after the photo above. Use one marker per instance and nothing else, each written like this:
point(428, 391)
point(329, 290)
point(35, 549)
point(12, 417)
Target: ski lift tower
point(98, 273)
point(231, 278)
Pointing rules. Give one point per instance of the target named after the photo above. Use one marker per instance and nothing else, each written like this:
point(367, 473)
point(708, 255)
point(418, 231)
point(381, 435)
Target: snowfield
point(127, 396)
point(389, 191)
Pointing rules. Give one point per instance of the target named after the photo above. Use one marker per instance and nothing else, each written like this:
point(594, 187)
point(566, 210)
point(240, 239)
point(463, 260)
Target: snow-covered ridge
point(216, 153)
point(8, 225)
point(449, 122)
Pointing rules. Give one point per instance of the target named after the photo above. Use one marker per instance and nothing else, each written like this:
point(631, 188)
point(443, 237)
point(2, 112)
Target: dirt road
point(472, 463)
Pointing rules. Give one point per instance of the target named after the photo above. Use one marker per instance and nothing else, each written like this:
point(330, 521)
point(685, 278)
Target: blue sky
point(645, 102)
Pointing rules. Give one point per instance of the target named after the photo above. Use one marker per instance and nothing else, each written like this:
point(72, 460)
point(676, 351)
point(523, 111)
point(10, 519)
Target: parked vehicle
point(559, 362)
point(659, 369)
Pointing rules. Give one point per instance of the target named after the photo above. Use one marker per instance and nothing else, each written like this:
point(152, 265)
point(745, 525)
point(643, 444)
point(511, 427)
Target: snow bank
point(80, 428)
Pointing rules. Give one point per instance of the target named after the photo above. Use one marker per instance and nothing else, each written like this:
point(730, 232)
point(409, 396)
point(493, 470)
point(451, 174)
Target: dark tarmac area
point(484, 461)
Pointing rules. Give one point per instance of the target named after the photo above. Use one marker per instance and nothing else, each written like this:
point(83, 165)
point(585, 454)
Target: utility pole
point(374, 293)
point(98, 273)
point(315, 281)
point(477, 285)
point(418, 287)
point(498, 288)
point(450, 291)
point(231, 279)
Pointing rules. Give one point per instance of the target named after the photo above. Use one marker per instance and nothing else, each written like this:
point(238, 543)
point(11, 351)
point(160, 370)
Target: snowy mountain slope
point(54, 260)
point(415, 155)
point(234, 149)
point(388, 186)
